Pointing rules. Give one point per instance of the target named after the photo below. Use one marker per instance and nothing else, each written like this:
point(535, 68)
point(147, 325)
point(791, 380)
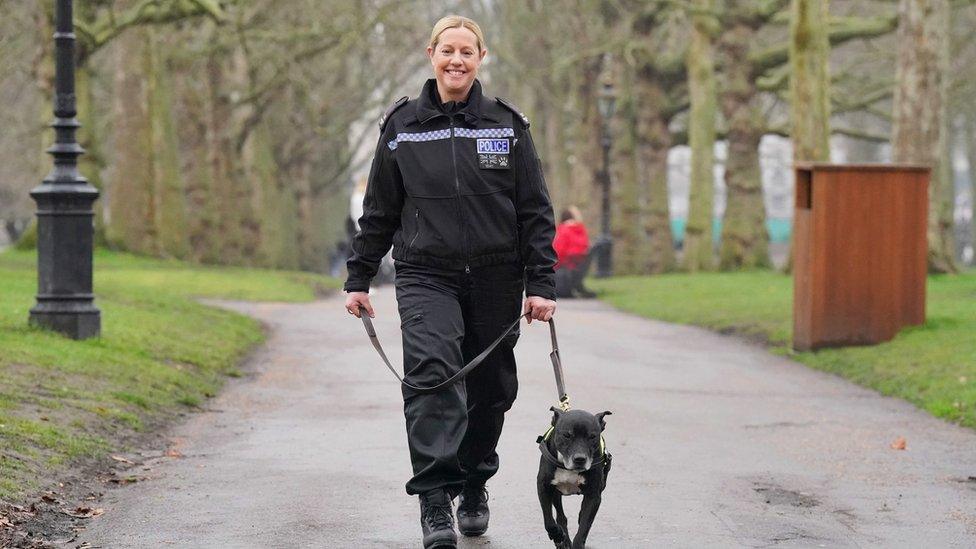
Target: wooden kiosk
point(859, 253)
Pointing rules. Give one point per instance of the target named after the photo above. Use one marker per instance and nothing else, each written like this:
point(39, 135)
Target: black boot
point(472, 511)
point(437, 520)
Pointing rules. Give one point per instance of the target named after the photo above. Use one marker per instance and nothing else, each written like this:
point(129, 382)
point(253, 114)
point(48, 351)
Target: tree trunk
point(698, 243)
point(809, 85)
point(276, 247)
point(628, 231)
point(971, 160)
point(745, 241)
point(90, 164)
point(653, 145)
point(169, 207)
point(231, 191)
point(130, 186)
point(586, 185)
point(920, 127)
point(809, 81)
point(201, 217)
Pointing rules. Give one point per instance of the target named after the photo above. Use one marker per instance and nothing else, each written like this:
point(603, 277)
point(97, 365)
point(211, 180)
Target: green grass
point(160, 352)
point(932, 366)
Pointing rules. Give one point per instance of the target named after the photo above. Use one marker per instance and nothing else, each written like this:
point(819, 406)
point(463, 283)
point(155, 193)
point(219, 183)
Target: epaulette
point(514, 109)
point(393, 108)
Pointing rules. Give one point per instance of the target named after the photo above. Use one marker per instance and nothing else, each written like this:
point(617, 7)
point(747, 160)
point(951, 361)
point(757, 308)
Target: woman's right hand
point(354, 300)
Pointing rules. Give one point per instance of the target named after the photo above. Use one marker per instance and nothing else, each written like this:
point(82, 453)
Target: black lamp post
point(65, 301)
point(604, 243)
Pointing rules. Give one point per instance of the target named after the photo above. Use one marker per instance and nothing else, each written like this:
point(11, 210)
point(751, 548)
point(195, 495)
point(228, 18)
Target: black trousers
point(447, 318)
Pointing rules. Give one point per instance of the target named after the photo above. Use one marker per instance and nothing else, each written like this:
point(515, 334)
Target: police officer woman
point(456, 188)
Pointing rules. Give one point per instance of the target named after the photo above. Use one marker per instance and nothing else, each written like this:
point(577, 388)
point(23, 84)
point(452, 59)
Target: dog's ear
point(556, 413)
point(603, 424)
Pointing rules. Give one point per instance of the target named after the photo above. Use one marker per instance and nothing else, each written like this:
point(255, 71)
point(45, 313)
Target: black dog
point(574, 461)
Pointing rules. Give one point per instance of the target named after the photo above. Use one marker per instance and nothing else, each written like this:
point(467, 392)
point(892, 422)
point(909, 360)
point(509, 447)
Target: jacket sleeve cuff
point(541, 290)
point(356, 286)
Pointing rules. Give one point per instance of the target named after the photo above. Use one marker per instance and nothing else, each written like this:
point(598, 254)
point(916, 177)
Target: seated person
point(572, 245)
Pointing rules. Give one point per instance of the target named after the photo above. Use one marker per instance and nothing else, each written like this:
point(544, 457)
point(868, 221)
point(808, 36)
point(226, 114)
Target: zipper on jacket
point(417, 223)
point(457, 188)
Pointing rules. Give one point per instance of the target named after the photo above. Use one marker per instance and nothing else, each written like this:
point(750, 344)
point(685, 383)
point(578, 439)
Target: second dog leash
point(557, 365)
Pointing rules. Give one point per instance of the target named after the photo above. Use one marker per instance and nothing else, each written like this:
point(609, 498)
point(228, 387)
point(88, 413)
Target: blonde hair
point(456, 22)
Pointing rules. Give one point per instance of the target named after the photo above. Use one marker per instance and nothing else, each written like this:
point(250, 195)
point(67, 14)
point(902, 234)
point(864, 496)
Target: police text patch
point(493, 146)
point(493, 154)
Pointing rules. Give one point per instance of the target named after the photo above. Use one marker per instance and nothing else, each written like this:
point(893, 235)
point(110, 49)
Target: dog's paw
point(559, 536)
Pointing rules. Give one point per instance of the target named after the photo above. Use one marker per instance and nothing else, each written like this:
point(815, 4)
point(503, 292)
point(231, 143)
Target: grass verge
point(932, 366)
point(64, 401)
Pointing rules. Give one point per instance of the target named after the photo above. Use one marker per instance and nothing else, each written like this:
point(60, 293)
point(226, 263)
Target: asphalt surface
point(715, 443)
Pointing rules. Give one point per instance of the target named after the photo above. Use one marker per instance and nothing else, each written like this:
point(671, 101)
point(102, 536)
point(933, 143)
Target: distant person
point(572, 245)
point(457, 190)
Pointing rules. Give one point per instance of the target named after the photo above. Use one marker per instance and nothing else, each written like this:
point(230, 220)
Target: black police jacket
point(455, 190)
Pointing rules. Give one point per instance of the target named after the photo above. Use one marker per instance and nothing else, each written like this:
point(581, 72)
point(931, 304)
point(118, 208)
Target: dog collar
point(547, 454)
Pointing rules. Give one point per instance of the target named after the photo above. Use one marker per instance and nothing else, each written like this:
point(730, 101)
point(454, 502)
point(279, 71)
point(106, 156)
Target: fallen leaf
point(49, 497)
point(84, 512)
point(899, 444)
point(79, 512)
point(121, 459)
point(174, 453)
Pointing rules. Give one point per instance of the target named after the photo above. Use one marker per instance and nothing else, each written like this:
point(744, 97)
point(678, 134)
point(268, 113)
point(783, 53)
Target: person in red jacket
point(572, 246)
point(571, 242)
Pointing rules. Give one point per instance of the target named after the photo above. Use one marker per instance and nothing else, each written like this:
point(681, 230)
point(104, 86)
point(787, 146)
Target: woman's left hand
point(540, 307)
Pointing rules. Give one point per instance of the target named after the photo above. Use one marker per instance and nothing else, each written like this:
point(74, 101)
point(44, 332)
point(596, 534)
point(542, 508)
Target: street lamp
point(65, 302)
point(607, 101)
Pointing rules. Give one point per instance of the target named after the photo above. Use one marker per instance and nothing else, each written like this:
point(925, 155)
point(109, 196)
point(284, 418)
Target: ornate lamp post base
point(65, 302)
point(603, 246)
point(79, 324)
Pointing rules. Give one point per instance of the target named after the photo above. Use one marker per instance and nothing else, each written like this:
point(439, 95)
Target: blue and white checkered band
point(487, 132)
point(446, 134)
point(419, 137)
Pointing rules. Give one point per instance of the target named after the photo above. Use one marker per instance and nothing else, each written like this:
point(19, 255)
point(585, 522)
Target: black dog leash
point(557, 364)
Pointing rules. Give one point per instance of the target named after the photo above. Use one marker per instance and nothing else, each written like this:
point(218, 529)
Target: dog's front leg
point(588, 509)
point(557, 502)
point(556, 533)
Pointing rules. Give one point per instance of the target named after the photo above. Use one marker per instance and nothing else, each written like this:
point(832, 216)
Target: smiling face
point(455, 58)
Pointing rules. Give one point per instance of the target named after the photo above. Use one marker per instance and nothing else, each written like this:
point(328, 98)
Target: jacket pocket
point(492, 224)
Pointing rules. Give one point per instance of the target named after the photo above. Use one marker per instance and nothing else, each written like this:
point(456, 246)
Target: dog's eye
point(593, 437)
point(567, 435)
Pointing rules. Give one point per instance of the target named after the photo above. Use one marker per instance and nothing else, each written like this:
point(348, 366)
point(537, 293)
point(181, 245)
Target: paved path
point(715, 443)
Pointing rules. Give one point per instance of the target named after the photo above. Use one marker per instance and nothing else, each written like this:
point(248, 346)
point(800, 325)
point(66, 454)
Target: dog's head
point(576, 437)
